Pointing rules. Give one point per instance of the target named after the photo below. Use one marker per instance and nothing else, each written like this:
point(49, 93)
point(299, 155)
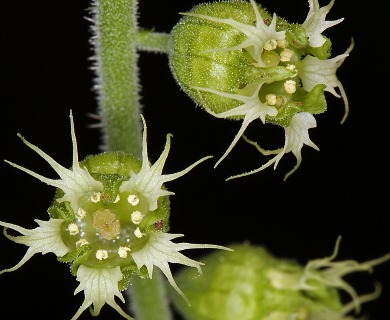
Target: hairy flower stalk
point(239, 62)
point(109, 221)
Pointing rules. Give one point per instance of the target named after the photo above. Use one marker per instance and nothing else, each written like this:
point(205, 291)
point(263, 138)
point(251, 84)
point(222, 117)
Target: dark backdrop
point(341, 190)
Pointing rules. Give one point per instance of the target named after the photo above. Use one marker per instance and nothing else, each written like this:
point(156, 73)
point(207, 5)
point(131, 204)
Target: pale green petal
point(149, 180)
point(315, 22)
point(256, 36)
point(100, 286)
point(43, 239)
point(74, 182)
point(159, 251)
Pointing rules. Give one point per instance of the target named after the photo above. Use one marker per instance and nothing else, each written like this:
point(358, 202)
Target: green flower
point(238, 62)
point(109, 220)
point(250, 283)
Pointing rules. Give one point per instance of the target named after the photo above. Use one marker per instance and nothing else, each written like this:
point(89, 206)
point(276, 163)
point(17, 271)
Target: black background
point(340, 190)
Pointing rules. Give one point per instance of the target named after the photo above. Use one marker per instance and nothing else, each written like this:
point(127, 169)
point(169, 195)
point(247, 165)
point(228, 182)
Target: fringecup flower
point(251, 283)
point(109, 221)
point(239, 62)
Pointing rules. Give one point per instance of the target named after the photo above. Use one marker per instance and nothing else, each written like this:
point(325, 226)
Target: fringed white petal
point(159, 251)
point(100, 286)
point(43, 239)
point(313, 71)
point(330, 273)
point(296, 135)
point(149, 180)
point(256, 36)
point(315, 22)
point(74, 183)
point(251, 109)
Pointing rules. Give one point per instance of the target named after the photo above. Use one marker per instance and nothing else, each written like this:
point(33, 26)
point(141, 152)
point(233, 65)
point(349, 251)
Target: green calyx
point(109, 225)
point(245, 285)
point(222, 48)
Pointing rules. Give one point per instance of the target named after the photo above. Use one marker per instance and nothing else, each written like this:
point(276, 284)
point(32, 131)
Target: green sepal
point(285, 114)
point(113, 162)
point(239, 285)
point(61, 210)
point(157, 219)
point(314, 102)
point(295, 34)
point(128, 273)
point(77, 257)
point(194, 63)
point(111, 183)
point(323, 52)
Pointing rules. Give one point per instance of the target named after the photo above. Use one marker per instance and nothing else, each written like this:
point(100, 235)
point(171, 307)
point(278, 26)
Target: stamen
point(73, 229)
point(286, 55)
point(133, 199)
point(136, 217)
point(138, 233)
point(95, 197)
point(81, 242)
point(282, 43)
point(270, 99)
point(122, 252)
point(290, 67)
point(117, 199)
point(81, 213)
point(271, 44)
point(290, 86)
point(101, 254)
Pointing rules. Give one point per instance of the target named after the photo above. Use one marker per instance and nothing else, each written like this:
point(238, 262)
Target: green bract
point(237, 61)
point(252, 284)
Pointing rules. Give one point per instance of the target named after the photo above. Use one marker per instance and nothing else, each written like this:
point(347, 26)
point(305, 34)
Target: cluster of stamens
point(111, 228)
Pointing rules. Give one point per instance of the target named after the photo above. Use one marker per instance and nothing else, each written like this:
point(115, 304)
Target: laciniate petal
point(159, 251)
point(296, 135)
point(313, 71)
point(100, 286)
point(43, 239)
point(315, 22)
point(256, 36)
point(149, 180)
point(251, 109)
point(74, 182)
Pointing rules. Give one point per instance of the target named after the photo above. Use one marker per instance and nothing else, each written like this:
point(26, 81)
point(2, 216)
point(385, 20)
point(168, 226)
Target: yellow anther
point(286, 55)
point(270, 99)
point(133, 199)
point(95, 197)
point(282, 43)
point(270, 45)
point(290, 67)
point(122, 251)
point(138, 233)
point(101, 254)
point(81, 213)
point(136, 217)
point(81, 242)
point(73, 229)
point(290, 86)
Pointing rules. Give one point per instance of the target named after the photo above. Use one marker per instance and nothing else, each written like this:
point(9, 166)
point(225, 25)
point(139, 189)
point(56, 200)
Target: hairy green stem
point(117, 85)
point(115, 42)
point(144, 294)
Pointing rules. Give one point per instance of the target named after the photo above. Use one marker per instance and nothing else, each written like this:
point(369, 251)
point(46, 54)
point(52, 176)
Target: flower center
point(106, 223)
